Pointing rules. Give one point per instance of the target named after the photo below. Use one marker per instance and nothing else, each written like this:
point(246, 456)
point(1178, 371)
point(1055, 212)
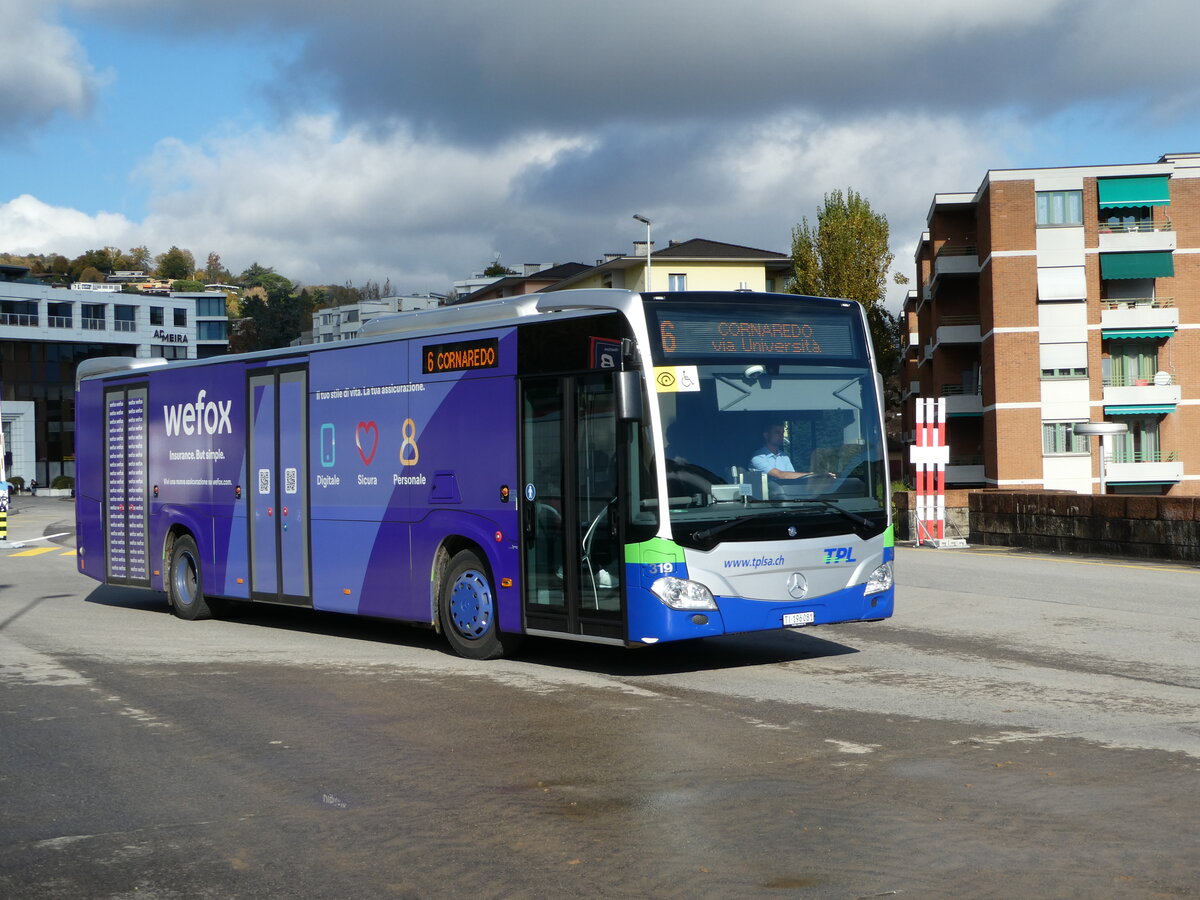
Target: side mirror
point(629, 395)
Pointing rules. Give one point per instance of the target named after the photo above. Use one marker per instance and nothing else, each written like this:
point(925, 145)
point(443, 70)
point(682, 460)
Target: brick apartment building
point(1049, 297)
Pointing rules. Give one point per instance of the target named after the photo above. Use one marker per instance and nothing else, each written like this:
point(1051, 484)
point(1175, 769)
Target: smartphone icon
point(328, 444)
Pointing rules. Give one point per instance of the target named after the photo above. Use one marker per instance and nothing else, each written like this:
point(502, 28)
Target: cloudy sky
point(418, 140)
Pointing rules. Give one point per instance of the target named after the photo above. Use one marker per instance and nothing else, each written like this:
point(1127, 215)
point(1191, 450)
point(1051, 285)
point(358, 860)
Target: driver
point(772, 458)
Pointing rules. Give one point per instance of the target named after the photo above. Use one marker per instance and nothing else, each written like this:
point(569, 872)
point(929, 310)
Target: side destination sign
point(479, 354)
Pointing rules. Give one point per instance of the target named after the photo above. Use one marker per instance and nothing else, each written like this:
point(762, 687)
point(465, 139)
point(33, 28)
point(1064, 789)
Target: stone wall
point(1149, 527)
point(904, 510)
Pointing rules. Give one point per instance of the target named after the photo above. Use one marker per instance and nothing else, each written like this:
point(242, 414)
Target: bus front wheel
point(467, 607)
point(185, 586)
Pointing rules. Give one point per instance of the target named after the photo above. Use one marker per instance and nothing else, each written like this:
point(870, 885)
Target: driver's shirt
point(764, 461)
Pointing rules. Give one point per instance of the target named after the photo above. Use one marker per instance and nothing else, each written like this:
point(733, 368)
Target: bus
point(573, 464)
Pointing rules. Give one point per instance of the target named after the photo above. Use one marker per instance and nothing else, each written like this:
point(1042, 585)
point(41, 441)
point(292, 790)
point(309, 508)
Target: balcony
point(1137, 236)
point(1155, 466)
point(955, 260)
point(959, 330)
point(965, 470)
point(962, 400)
point(1154, 313)
point(1130, 396)
point(60, 321)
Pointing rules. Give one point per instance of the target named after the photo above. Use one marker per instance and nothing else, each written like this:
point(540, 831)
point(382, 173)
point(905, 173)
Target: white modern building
point(340, 323)
point(46, 331)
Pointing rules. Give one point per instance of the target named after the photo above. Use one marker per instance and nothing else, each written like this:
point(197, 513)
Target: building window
point(677, 282)
point(1130, 362)
point(92, 316)
point(1060, 439)
point(1052, 374)
point(210, 306)
point(1140, 443)
point(1059, 208)
point(180, 318)
point(171, 352)
point(211, 331)
point(156, 315)
point(124, 317)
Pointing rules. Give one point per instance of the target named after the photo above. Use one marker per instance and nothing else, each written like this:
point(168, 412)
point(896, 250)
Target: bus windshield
point(755, 431)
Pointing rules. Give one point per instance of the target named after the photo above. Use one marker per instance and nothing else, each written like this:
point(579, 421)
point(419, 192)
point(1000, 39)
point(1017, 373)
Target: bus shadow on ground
point(733, 651)
point(723, 652)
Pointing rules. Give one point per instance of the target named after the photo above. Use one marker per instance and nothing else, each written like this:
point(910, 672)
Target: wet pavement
point(1022, 728)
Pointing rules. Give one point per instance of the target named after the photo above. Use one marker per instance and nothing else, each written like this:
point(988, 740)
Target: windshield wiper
point(864, 525)
point(860, 521)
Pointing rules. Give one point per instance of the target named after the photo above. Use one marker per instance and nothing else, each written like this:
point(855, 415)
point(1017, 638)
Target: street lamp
point(646, 222)
point(1104, 429)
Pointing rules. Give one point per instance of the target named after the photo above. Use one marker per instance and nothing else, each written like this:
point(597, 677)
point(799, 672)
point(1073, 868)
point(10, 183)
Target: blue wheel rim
point(471, 605)
point(185, 580)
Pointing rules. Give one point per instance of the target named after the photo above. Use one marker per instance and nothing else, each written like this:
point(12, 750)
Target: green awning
point(1151, 264)
point(1110, 333)
point(1139, 190)
point(1146, 409)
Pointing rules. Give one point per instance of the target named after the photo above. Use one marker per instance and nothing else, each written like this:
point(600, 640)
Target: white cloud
point(322, 205)
point(27, 225)
point(43, 68)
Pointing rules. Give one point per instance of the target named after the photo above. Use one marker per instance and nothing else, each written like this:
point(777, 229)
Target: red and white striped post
point(930, 455)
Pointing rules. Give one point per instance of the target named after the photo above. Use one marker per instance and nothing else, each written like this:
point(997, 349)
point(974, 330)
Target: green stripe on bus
point(655, 550)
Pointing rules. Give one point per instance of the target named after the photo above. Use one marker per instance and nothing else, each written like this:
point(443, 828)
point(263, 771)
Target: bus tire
point(185, 583)
point(467, 608)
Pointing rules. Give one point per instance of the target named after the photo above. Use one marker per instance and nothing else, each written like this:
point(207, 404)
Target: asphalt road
point(1026, 726)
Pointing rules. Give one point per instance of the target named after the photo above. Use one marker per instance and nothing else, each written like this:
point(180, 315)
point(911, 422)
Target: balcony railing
point(976, 460)
point(950, 321)
point(124, 325)
point(1139, 303)
point(1134, 227)
point(92, 324)
point(1159, 379)
point(960, 250)
point(60, 322)
point(957, 390)
point(1143, 456)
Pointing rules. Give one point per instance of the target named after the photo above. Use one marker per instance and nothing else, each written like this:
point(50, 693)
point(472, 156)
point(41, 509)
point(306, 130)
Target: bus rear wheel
point(185, 585)
point(467, 607)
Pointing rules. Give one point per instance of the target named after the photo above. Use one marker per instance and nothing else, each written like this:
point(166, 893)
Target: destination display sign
point(459, 357)
point(756, 332)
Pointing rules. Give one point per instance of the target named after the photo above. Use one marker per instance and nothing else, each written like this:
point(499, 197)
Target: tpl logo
point(839, 555)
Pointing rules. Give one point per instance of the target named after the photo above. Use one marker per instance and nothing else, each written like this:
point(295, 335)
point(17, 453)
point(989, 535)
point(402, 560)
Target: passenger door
point(278, 485)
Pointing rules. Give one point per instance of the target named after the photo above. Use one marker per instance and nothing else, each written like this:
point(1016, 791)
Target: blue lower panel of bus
point(651, 621)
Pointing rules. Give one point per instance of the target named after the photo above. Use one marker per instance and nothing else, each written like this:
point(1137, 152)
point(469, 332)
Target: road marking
point(36, 551)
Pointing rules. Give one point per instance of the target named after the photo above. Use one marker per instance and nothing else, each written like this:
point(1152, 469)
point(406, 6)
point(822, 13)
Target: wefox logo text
point(199, 417)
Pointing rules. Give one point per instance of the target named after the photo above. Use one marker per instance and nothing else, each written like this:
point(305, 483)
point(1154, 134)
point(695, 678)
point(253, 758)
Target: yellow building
point(695, 265)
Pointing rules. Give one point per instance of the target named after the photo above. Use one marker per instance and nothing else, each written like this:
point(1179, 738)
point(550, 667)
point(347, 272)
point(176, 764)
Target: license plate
point(804, 618)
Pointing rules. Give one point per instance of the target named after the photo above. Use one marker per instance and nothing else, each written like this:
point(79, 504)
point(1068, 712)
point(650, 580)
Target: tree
point(273, 315)
point(176, 264)
point(847, 255)
point(139, 258)
point(214, 271)
point(497, 270)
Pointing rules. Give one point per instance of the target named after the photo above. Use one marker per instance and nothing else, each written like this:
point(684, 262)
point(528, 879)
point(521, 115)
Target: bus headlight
point(678, 593)
point(879, 580)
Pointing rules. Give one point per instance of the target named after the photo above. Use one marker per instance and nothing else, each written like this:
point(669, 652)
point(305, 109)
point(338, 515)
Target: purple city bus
point(581, 464)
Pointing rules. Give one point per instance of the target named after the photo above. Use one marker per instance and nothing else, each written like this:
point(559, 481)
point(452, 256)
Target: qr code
point(264, 481)
point(289, 481)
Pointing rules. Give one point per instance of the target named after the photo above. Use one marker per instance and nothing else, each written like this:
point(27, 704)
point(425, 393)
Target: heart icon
point(366, 438)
